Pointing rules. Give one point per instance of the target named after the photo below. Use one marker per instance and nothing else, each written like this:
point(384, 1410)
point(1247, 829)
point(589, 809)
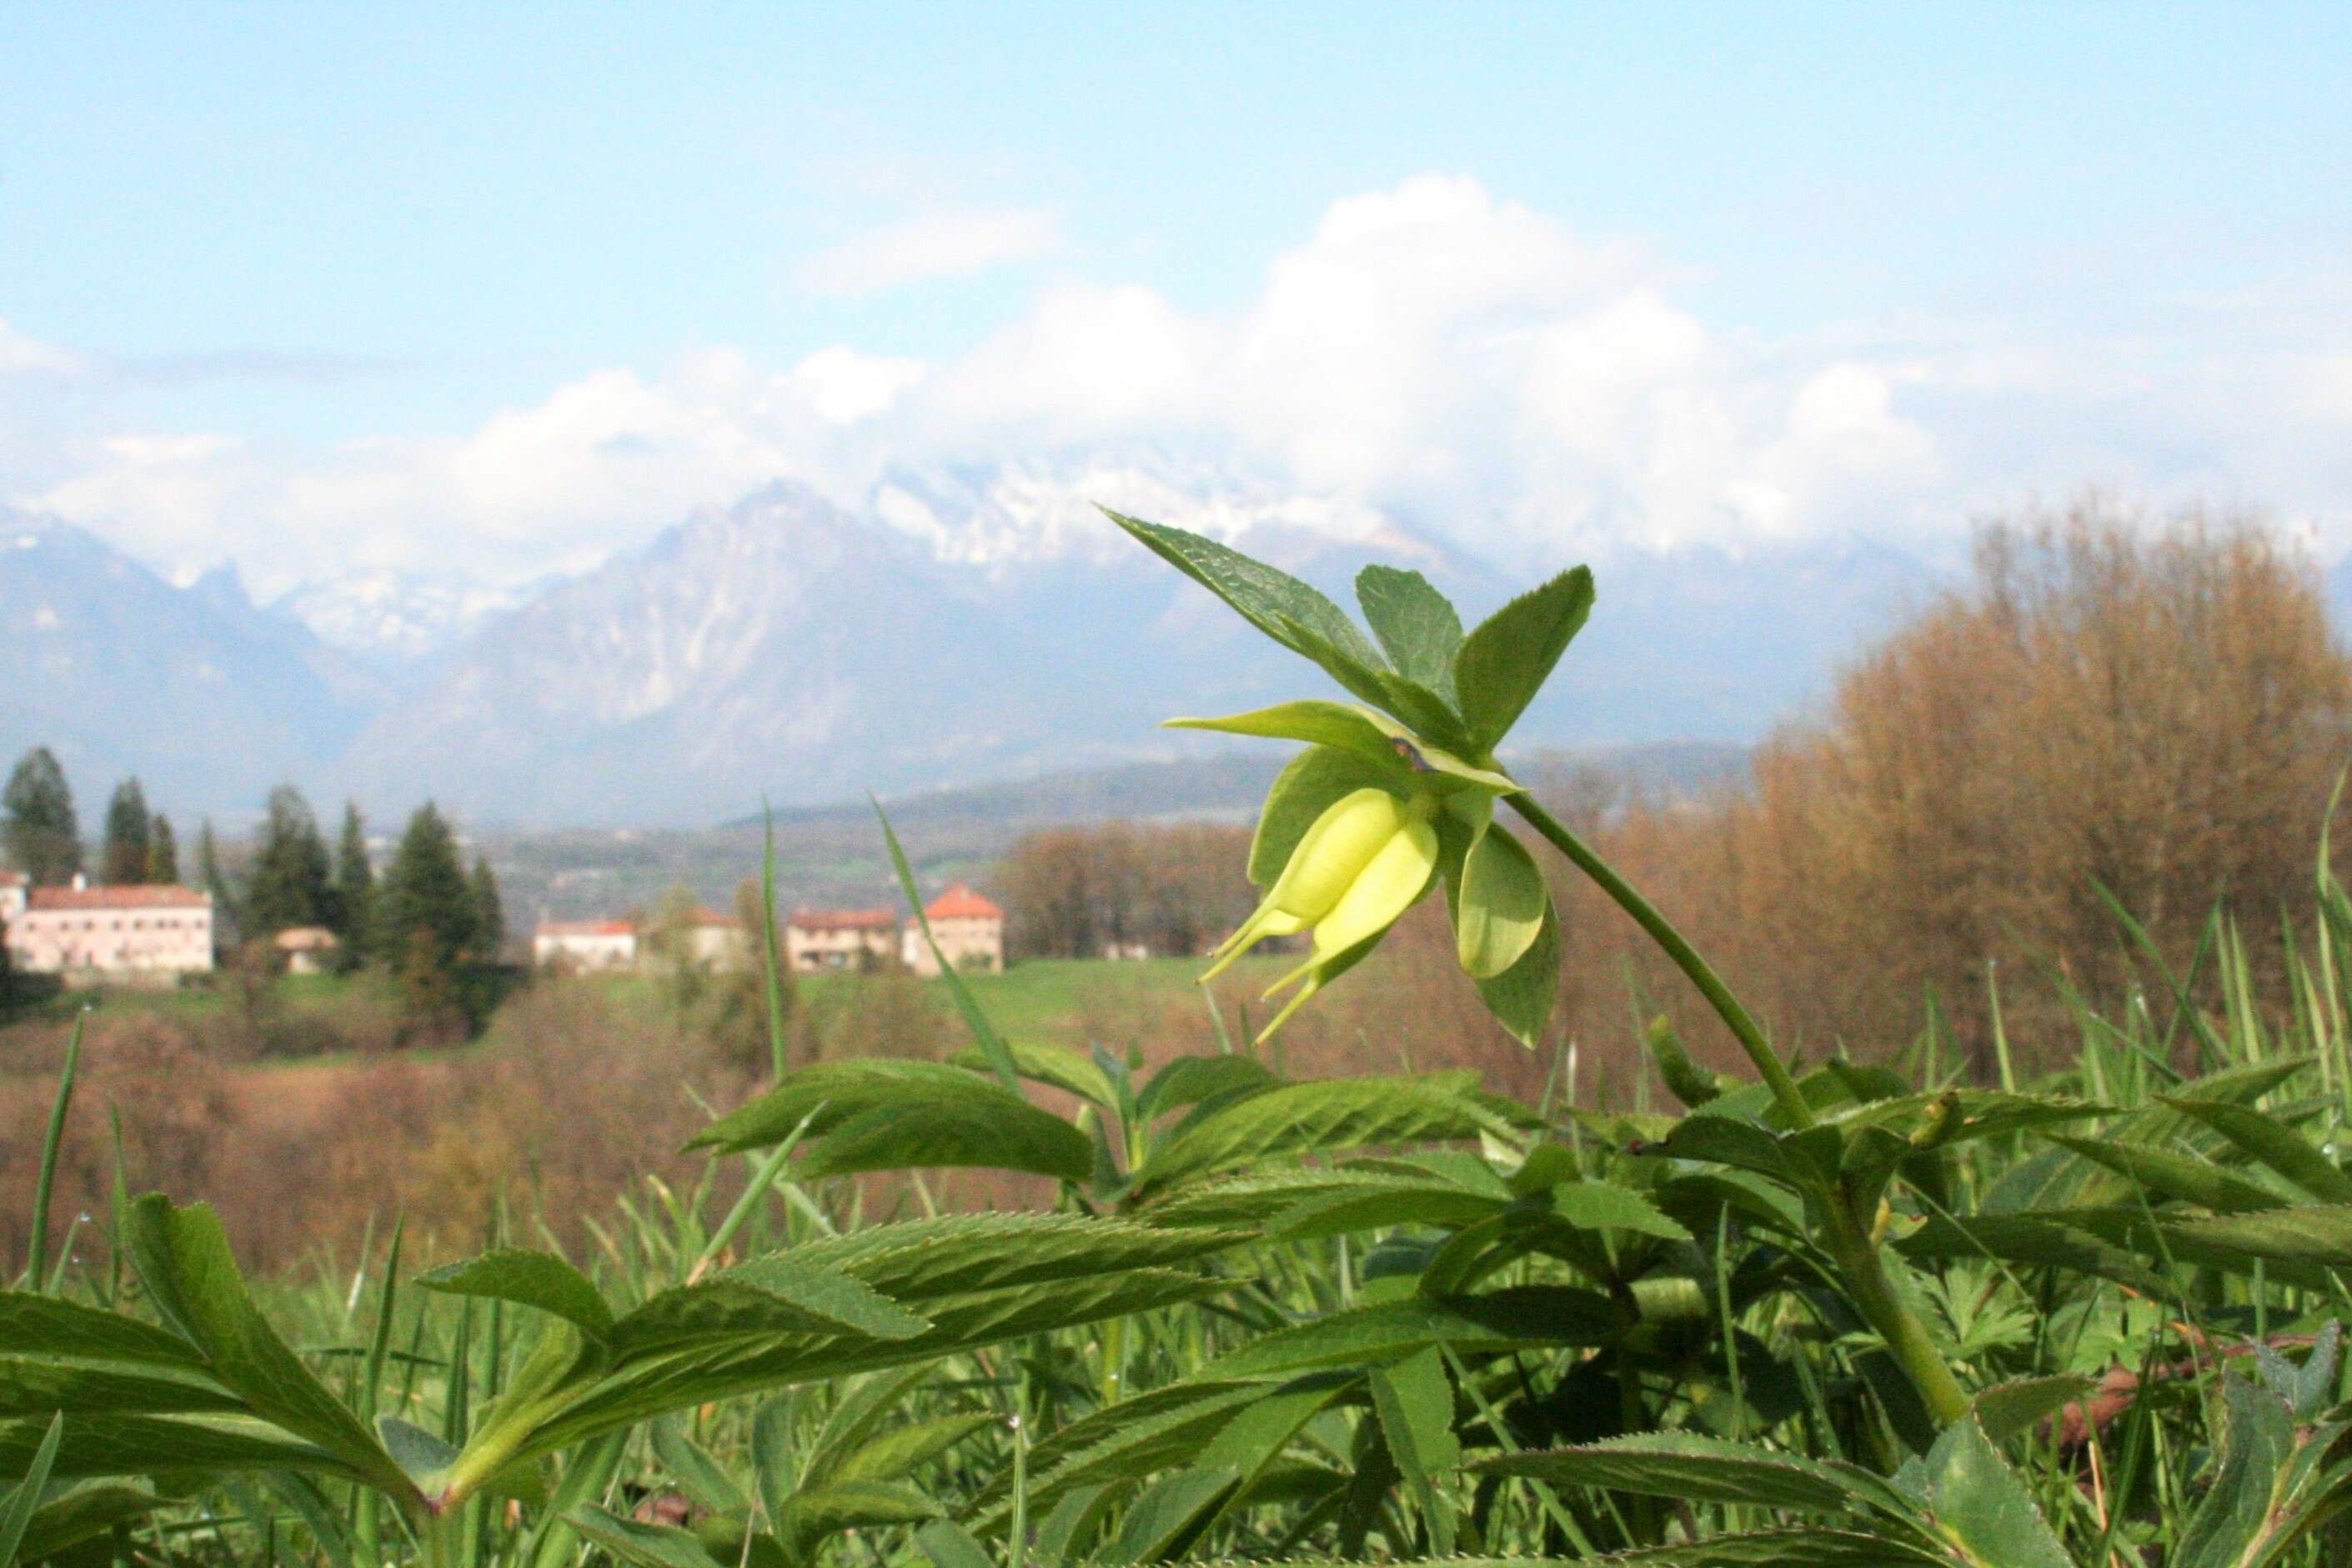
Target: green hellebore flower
point(1360, 866)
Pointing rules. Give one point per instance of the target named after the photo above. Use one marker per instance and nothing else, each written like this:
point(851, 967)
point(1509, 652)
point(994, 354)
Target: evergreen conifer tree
point(354, 888)
point(489, 915)
point(210, 878)
point(426, 915)
point(130, 843)
point(163, 852)
point(37, 828)
point(289, 884)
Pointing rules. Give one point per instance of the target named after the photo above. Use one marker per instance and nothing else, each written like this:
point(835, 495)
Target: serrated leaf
point(529, 1279)
point(2005, 1410)
point(1189, 1079)
point(645, 1545)
point(2320, 1234)
point(1982, 1508)
point(813, 1515)
point(1365, 1202)
point(1136, 1437)
point(1391, 1331)
point(1262, 594)
point(78, 1516)
point(51, 1325)
point(183, 1259)
point(1604, 1206)
point(1777, 1549)
point(1055, 1064)
point(697, 1473)
point(37, 1386)
point(1504, 905)
point(1169, 1515)
point(1983, 1112)
point(1374, 737)
point(1506, 661)
point(1416, 624)
point(782, 1294)
point(918, 1260)
point(1323, 1115)
point(113, 1445)
point(982, 1128)
point(2258, 1439)
point(2273, 1143)
point(903, 1448)
point(826, 1094)
point(1413, 1399)
point(1703, 1469)
point(2177, 1177)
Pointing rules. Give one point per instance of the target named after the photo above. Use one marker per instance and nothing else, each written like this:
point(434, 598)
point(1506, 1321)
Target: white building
point(968, 929)
point(584, 945)
point(816, 940)
point(89, 934)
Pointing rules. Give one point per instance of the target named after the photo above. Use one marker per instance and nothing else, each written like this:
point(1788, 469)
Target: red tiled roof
point(12, 878)
point(959, 903)
point(585, 928)
point(843, 920)
point(117, 898)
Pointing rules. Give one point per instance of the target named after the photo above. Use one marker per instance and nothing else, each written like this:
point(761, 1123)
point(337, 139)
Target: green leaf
point(923, 1260)
point(984, 1127)
point(1262, 594)
point(2271, 1143)
point(1189, 1079)
point(1521, 996)
point(1361, 1202)
point(828, 1093)
point(1777, 1549)
point(37, 1386)
point(1055, 1064)
point(529, 1279)
point(1506, 660)
point(645, 1545)
point(697, 1473)
point(2166, 1175)
point(1138, 1436)
point(1981, 1508)
point(903, 1448)
point(1702, 1469)
point(115, 1444)
point(2313, 1234)
point(776, 1294)
point(1417, 627)
point(1504, 907)
point(183, 1259)
point(1604, 1206)
point(1169, 1516)
point(1391, 1331)
point(1323, 1115)
point(424, 1457)
point(1310, 784)
point(949, 1545)
point(50, 1325)
point(812, 1515)
point(2237, 1509)
point(78, 1516)
point(1371, 736)
point(16, 1511)
point(2005, 1410)
point(1413, 1401)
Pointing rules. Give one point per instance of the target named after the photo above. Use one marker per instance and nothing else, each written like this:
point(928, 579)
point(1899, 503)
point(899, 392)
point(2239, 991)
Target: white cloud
point(1470, 367)
point(951, 244)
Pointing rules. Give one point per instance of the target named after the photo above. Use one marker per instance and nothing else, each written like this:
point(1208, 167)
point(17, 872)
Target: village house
point(89, 935)
point(714, 941)
point(968, 929)
point(819, 939)
point(584, 945)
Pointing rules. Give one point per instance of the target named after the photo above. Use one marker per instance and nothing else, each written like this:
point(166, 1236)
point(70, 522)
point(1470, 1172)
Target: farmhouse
point(819, 939)
point(584, 945)
point(968, 929)
point(306, 949)
point(87, 933)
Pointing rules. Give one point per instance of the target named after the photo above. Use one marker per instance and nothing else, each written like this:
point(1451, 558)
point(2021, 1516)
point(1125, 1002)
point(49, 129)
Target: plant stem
point(1848, 1238)
point(1735, 1017)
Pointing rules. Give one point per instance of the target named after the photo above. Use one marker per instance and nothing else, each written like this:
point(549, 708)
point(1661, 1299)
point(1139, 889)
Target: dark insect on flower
point(1411, 753)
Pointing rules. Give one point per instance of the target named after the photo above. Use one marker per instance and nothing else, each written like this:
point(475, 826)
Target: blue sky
point(277, 270)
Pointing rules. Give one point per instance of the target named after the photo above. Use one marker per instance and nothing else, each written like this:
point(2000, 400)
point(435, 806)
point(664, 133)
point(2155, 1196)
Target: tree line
point(424, 915)
point(1171, 888)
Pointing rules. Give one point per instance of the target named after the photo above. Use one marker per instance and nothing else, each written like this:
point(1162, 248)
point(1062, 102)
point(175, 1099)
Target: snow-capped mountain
point(396, 618)
point(944, 629)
